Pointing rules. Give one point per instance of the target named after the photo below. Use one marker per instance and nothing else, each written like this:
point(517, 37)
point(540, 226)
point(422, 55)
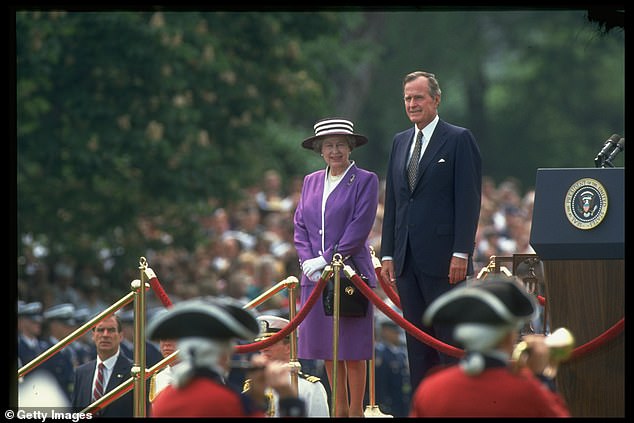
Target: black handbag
point(352, 302)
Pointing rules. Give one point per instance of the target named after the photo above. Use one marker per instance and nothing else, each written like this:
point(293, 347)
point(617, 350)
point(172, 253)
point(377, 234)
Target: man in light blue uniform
point(310, 388)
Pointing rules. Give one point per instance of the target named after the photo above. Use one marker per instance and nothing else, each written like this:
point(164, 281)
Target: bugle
point(560, 344)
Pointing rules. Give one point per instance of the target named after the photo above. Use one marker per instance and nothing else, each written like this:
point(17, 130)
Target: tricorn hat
point(270, 325)
point(217, 318)
point(497, 300)
point(334, 126)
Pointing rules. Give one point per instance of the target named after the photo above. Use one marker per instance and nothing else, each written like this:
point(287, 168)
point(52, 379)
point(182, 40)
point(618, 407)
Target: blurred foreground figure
point(487, 317)
point(207, 331)
point(41, 390)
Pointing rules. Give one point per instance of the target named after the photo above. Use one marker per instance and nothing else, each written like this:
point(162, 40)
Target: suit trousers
point(416, 291)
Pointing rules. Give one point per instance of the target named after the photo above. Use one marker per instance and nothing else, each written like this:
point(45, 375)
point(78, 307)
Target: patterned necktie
point(412, 166)
point(98, 391)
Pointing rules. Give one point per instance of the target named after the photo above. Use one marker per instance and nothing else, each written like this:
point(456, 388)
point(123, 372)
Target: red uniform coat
point(496, 392)
point(202, 397)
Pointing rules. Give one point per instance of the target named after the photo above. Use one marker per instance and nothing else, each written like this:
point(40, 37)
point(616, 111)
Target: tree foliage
point(539, 88)
point(131, 125)
point(133, 118)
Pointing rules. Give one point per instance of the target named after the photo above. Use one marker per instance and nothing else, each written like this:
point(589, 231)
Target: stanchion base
point(373, 411)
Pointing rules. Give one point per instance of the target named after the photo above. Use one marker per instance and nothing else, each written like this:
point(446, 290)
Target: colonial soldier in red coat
point(487, 317)
point(207, 330)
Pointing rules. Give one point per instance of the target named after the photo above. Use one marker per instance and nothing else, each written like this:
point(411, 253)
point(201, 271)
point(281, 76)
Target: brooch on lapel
point(119, 376)
point(351, 179)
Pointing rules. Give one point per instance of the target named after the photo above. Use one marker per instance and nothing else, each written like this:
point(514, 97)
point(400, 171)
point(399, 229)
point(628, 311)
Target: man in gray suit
point(432, 206)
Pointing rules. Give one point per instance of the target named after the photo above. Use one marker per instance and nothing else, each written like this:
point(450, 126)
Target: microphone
point(620, 146)
point(605, 151)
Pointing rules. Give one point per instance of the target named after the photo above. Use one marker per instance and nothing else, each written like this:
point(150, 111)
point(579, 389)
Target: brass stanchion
point(292, 305)
point(138, 370)
point(372, 410)
point(337, 264)
point(269, 292)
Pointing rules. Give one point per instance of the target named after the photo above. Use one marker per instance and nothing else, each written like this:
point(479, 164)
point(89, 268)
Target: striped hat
point(334, 126)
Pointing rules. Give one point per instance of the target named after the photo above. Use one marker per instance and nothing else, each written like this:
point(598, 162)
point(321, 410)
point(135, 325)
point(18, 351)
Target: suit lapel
point(403, 153)
point(119, 374)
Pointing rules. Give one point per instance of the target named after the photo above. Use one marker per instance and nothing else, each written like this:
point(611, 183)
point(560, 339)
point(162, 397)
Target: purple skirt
point(314, 334)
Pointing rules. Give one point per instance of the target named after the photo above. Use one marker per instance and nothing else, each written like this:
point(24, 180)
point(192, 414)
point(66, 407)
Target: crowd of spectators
point(249, 248)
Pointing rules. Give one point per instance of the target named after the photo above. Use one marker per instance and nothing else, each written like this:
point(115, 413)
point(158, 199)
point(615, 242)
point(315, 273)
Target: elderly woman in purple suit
point(335, 214)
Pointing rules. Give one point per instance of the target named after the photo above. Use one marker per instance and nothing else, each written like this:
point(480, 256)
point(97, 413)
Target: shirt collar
point(428, 130)
point(109, 362)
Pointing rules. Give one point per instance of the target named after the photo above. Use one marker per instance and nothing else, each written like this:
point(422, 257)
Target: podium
point(578, 231)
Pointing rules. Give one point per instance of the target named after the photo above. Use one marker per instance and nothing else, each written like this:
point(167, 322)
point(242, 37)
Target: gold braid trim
point(152, 393)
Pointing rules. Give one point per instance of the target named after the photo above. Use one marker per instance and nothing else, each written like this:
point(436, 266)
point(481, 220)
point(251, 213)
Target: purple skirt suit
point(347, 221)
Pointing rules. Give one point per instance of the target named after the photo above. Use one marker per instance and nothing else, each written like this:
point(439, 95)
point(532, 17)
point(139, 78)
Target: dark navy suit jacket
point(440, 216)
point(82, 395)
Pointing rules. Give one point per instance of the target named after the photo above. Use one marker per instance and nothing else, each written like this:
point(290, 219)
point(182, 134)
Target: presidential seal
point(586, 203)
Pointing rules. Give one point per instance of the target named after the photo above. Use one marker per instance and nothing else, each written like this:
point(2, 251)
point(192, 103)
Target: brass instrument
point(560, 345)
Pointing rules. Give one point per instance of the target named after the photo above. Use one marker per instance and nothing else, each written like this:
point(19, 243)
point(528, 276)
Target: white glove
point(315, 276)
point(313, 265)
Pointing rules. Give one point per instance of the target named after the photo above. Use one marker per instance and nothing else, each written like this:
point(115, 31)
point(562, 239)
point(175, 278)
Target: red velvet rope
point(157, 288)
point(387, 288)
point(580, 351)
point(600, 340)
point(406, 325)
point(256, 346)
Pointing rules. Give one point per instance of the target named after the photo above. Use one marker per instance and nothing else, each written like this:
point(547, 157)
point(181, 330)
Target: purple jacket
point(349, 216)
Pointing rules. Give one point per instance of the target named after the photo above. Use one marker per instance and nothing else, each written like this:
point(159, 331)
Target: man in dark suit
point(107, 336)
point(431, 213)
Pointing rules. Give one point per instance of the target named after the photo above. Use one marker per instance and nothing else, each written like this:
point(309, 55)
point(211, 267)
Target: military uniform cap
point(126, 316)
point(62, 312)
point(211, 318)
point(270, 325)
point(32, 310)
point(496, 300)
